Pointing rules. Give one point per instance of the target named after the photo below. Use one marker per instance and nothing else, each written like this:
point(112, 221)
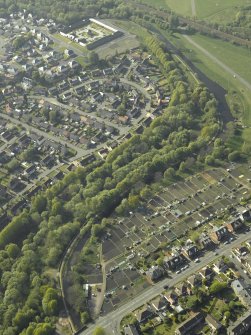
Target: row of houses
point(169, 302)
point(242, 325)
point(234, 224)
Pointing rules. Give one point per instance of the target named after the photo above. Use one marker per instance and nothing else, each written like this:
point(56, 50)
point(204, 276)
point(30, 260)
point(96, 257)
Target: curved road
point(218, 62)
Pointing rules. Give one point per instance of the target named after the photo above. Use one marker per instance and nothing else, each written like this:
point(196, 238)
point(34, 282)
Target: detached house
point(62, 69)
point(188, 325)
point(144, 315)
point(214, 324)
point(206, 273)
point(190, 251)
point(69, 53)
point(195, 280)
point(131, 330)
point(247, 263)
point(244, 213)
point(73, 64)
point(241, 325)
point(172, 298)
point(160, 304)
point(174, 261)
point(220, 266)
point(205, 241)
point(183, 289)
point(243, 292)
point(155, 273)
point(218, 233)
point(234, 224)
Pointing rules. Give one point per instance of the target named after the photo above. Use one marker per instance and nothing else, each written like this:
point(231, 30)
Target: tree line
point(33, 243)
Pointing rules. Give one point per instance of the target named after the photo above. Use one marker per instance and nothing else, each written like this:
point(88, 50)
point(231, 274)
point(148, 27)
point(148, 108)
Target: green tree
point(192, 302)
point(17, 229)
point(93, 58)
point(12, 250)
point(209, 160)
point(39, 203)
point(53, 116)
point(30, 154)
point(217, 287)
point(227, 316)
point(50, 302)
point(169, 173)
point(85, 318)
point(99, 331)
point(97, 230)
point(22, 318)
point(173, 21)
point(13, 165)
point(18, 42)
point(44, 329)
point(234, 156)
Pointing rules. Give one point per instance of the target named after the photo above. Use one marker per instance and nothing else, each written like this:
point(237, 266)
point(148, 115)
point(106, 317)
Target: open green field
point(238, 58)
point(132, 28)
point(218, 11)
point(182, 7)
point(221, 11)
point(64, 42)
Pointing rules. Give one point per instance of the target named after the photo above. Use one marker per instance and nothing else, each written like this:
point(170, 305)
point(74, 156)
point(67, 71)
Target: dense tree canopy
point(35, 241)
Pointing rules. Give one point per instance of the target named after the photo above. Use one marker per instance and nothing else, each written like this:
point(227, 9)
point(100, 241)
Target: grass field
point(65, 42)
point(233, 56)
point(182, 7)
point(117, 46)
point(132, 28)
point(221, 11)
point(83, 61)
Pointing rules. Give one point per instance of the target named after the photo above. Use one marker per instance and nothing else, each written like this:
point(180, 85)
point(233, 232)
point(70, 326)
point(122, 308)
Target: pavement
point(111, 321)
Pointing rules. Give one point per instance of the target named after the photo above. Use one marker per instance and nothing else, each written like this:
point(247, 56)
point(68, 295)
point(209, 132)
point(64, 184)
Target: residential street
point(111, 321)
point(123, 130)
point(46, 135)
point(75, 109)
